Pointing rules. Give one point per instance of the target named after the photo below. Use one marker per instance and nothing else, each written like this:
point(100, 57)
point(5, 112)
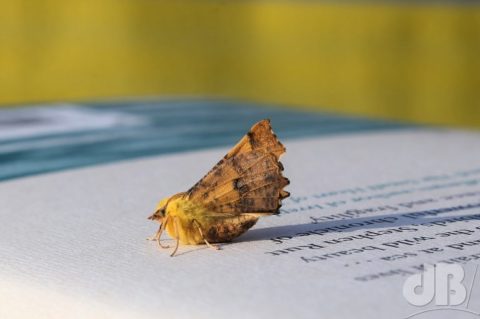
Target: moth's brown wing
point(246, 183)
point(260, 137)
point(258, 188)
point(248, 179)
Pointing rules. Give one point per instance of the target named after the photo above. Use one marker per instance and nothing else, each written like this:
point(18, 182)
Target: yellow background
point(410, 62)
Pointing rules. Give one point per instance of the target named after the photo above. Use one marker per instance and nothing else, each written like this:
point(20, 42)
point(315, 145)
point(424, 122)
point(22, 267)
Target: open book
point(366, 213)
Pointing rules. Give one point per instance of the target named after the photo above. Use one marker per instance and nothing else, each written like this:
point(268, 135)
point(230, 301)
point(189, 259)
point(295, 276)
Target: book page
point(368, 214)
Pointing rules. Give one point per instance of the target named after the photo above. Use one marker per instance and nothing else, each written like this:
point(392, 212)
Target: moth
point(247, 183)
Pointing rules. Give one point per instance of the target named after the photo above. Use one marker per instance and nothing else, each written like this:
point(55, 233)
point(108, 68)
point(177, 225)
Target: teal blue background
point(167, 126)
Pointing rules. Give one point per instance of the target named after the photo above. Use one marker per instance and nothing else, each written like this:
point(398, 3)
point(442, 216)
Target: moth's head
point(159, 213)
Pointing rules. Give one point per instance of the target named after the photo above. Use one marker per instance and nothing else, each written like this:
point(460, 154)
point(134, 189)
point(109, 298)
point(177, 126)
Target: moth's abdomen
point(226, 229)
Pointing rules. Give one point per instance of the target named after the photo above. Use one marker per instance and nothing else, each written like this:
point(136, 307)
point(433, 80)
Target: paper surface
point(365, 212)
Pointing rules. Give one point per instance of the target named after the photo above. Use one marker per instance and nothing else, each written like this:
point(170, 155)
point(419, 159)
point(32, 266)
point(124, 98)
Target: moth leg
point(197, 224)
point(177, 235)
point(157, 234)
point(160, 231)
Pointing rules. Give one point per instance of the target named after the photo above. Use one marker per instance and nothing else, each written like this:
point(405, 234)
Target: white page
point(72, 244)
